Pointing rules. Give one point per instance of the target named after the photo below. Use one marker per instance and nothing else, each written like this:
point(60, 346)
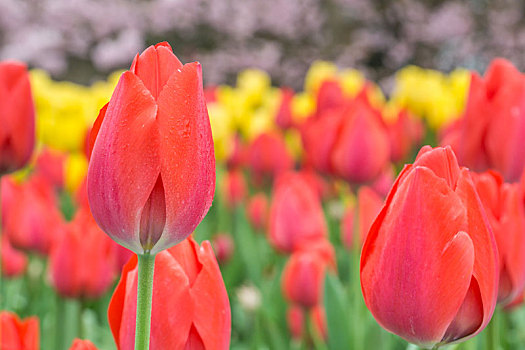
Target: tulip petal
point(96, 128)
point(469, 317)
point(120, 184)
point(413, 249)
point(187, 158)
point(486, 267)
point(116, 306)
point(212, 315)
point(155, 66)
point(442, 161)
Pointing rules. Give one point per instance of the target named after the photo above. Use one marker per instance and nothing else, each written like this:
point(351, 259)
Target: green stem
point(144, 299)
point(60, 321)
point(81, 303)
point(492, 332)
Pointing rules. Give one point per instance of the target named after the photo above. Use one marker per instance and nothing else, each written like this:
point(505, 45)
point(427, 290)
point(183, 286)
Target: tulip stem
point(492, 332)
point(144, 298)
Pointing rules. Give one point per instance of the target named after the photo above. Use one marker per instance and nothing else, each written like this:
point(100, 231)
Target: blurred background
point(83, 41)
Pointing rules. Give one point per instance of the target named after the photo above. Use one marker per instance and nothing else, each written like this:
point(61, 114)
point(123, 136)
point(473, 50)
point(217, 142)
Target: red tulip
point(16, 334)
point(267, 156)
point(31, 218)
point(151, 177)
point(466, 135)
point(295, 213)
point(429, 265)
point(50, 165)
point(296, 322)
point(284, 117)
point(505, 138)
point(17, 117)
point(319, 136)
point(295, 319)
point(303, 275)
point(347, 226)
point(223, 246)
point(506, 213)
point(234, 187)
point(257, 211)
point(492, 129)
point(190, 305)
point(13, 262)
point(404, 133)
point(369, 204)
point(237, 157)
point(384, 182)
point(79, 344)
point(330, 97)
point(82, 261)
point(362, 149)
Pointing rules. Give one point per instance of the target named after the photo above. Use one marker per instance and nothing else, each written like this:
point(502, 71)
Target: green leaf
point(337, 312)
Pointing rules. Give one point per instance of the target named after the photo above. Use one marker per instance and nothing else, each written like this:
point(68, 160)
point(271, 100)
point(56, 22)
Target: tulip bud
point(151, 176)
point(79, 344)
point(330, 96)
point(17, 334)
point(17, 117)
point(50, 165)
point(190, 307)
point(284, 116)
point(14, 262)
point(257, 211)
point(31, 218)
point(296, 214)
point(404, 133)
point(296, 322)
point(362, 149)
point(82, 261)
point(223, 246)
point(234, 188)
point(267, 156)
point(506, 213)
point(303, 275)
point(432, 248)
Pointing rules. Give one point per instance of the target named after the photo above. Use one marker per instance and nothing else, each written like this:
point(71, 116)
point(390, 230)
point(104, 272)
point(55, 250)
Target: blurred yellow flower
point(75, 170)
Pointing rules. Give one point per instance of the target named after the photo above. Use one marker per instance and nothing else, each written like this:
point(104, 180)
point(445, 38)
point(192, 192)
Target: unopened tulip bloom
point(362, 148)
point(17, 334)
point(50, 165)
point(82, 261)
point(257, 211)
point(319, 136)
point(151, 177)
point(330, 96)
point(31, 218)
point(13, 262)
point(490, 134)
point(284, 117)
point(79, 344)
point(296, 214)
point(234, 187)
point(17, 117)
point(303, 275)
point(404, 132)
point(190, 305)
point(506, 213)
point(224, 246)
point(369, 204)
point(267, 156)
point(296, 321)
point(429, 265)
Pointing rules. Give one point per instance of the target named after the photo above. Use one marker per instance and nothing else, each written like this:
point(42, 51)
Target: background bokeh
point(83, 41)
